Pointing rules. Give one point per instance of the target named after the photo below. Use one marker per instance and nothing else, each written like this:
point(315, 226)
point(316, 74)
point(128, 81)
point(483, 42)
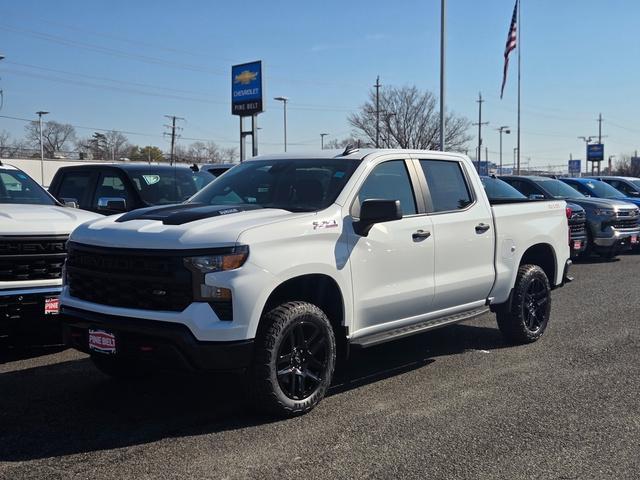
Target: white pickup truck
point(34, 229)
point(283, 263)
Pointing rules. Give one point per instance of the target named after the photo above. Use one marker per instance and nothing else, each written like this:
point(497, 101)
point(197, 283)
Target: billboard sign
point(595, 152)
point(575, 167)
point(246, 89)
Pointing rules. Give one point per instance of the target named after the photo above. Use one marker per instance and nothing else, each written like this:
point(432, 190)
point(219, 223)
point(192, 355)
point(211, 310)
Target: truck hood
point(24, 219)
point(184, 226)
point(592, 202)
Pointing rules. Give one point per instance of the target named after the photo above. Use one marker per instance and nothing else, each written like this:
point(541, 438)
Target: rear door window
point(447, 185)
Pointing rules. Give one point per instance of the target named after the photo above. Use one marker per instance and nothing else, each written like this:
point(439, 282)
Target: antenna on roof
point(349, 149)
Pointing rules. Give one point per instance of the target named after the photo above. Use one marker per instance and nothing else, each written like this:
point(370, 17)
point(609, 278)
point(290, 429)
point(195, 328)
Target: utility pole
point(284, 101)
point(506, 130)
point(443, 17)
point(322, 135)
point(40, 114)
point(377, 87)
point(599, 138)
point(173, 129)
point(480, 101)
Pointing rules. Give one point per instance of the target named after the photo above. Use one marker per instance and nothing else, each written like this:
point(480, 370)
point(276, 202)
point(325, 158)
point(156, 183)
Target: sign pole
point(242, 154)
point(254, 135)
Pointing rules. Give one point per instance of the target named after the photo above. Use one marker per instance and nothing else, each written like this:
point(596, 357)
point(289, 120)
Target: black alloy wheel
point(534, 305)
point(302, 359)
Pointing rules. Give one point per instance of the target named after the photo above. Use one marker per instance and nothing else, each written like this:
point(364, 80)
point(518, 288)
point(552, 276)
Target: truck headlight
point(604, 212)
point(218, 263)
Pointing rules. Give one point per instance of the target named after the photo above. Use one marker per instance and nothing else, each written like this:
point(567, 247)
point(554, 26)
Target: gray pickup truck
point(613, 226)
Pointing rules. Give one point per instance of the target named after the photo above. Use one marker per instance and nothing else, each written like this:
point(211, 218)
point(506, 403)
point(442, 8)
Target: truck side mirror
point(374, 211)
point(70, 202)
point(114, 204)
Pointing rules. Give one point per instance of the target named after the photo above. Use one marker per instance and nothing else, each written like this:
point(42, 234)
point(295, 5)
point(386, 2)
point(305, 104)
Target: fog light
point(219, 294)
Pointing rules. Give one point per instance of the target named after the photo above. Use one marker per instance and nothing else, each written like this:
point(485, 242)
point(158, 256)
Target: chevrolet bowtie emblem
point(245, 77)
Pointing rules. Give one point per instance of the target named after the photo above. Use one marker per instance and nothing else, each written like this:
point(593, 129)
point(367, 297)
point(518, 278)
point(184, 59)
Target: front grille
point(31, 258)
point(626, 223)
point(577, 229)
point(130, 279)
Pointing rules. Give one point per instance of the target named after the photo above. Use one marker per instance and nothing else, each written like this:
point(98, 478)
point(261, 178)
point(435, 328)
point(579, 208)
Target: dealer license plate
point(102, 341)
point(51, 306)
point(577, 244)
point(634, 239)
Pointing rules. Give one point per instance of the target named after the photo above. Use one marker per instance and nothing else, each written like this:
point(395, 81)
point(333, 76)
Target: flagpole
point(519, 31)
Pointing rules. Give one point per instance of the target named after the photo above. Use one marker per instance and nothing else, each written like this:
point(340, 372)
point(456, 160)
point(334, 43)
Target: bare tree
point(351, 141)
point(5, 141)
point(117, 144)
point(409, 118)
point(210, 152)
point(55, 136)
point(626, 167)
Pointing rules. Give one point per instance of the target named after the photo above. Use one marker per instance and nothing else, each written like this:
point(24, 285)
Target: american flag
point(512, 41)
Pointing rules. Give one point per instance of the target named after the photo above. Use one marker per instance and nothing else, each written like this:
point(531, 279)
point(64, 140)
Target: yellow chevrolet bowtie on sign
point(245, 78)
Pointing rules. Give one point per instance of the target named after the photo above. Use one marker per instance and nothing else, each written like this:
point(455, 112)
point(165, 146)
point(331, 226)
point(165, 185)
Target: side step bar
point(413, 329)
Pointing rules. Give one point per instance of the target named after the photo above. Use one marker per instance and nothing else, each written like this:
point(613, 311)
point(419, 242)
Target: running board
point(415, 328)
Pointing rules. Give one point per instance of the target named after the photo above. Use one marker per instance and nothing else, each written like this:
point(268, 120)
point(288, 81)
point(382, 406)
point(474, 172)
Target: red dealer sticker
point(51, 306)
point(101, 341)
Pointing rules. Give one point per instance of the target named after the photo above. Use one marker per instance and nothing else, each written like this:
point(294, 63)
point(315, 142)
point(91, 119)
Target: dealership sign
point(574, 167)
point(595, 152)
point(246, 89)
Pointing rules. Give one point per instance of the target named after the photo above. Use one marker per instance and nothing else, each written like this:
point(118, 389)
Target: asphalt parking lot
point(454, 403)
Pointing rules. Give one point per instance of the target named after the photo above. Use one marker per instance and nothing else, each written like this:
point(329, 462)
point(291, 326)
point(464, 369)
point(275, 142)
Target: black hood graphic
point(184, 212)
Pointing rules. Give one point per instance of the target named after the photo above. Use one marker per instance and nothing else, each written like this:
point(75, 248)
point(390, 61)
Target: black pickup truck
point(121, 187)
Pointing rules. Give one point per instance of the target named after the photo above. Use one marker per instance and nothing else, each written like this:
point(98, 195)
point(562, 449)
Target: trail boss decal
point(325, 224)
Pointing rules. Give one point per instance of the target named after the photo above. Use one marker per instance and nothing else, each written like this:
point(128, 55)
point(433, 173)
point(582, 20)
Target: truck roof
point(351, 154)
point(126, 166)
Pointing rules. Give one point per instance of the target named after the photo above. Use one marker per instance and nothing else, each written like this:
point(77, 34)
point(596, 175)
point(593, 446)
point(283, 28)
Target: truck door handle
point(482, 227)
point(421, 234)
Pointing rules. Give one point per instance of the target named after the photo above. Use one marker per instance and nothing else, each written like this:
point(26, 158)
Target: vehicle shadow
point(70, 408)
point(594, 260)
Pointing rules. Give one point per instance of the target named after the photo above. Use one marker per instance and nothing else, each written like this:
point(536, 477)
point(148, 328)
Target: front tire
point(528, 317)
point(294, 359)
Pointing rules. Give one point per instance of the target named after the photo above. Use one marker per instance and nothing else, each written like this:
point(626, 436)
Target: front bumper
point(619, 239)
point(162, 344)
point(23, 310)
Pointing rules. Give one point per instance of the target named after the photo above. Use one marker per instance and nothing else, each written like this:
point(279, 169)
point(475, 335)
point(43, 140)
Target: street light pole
point(322, 135)
point(443, 16)
point(284, 101)
point(40, 114)
point(506, 130)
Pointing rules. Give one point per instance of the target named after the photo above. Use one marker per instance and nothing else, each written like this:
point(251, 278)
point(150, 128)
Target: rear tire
point(528, 317)
point(118, 368)
point(294, 360)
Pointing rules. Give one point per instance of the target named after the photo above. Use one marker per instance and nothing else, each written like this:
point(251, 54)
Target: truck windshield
point(17, 187)
point(161, 187)
point(297, 185)
point(498, 190)
point(558, 189)
point(601, 189)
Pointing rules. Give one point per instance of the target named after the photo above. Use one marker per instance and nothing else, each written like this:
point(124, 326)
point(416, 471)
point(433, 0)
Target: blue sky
point(123, 65)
